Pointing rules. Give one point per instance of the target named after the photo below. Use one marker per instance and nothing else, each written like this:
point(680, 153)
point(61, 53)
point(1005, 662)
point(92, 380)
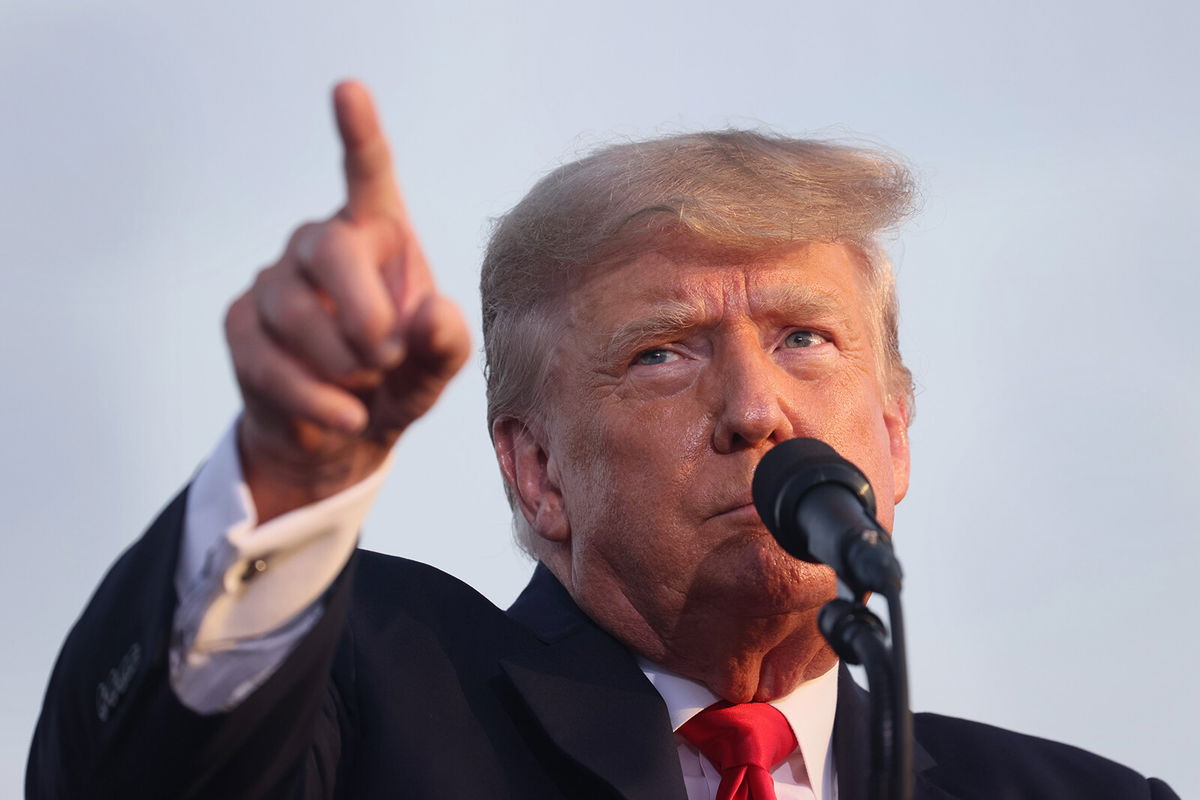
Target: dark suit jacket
point(414, 685)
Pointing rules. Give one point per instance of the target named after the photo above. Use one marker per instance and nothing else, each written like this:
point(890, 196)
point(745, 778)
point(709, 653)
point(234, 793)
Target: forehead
point(809, 279)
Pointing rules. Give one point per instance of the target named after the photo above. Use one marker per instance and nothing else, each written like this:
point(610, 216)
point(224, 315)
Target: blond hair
point(727, 191)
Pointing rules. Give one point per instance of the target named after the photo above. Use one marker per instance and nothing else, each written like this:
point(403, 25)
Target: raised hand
point(344, 342)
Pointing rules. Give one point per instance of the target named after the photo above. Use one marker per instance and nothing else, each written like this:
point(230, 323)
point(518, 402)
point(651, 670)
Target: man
point(656, 317)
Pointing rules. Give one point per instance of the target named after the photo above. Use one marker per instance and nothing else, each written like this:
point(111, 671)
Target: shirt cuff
point(248, 593)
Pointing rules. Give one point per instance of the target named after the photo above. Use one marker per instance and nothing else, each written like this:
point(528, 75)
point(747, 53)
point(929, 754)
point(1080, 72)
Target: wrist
point(283, 475)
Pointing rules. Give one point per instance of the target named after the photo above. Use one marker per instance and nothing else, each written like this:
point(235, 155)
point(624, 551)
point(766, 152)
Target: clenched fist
point(345, 341)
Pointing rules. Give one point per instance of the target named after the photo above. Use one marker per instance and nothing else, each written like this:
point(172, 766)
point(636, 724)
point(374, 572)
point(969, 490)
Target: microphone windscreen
point(791, 469)
point(781, 463)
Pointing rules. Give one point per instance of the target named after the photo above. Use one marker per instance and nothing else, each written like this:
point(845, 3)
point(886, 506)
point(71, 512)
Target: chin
point(763, 579)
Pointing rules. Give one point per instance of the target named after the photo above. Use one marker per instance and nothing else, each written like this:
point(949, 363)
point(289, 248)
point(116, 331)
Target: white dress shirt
point(808, 774)
point(249, 593)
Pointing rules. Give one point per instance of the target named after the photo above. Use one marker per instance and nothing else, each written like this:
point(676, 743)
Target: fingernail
point(390, 352)
point(353, 420)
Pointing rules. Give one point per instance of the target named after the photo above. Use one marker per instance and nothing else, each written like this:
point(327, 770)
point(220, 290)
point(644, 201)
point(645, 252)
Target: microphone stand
point(821, 509)
point(859, 637)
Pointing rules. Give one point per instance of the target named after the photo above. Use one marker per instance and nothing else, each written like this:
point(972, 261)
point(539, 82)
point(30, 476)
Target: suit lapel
point(593, 701)
point(591, 698)
point(852, 748)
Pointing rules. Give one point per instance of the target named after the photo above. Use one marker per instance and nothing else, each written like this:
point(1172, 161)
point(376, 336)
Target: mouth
point(745, 508)
point(740, 507)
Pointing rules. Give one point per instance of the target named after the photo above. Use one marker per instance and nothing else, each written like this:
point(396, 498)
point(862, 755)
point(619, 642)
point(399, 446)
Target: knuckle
point(238, 317)
point(366, 329)
point(331, 246)
point(246, 369)
point(329, 360)
point(264, 282)
point(343, 362)
point(258, 373)
point(302, 234)
point(291, 312)
point(229, 322)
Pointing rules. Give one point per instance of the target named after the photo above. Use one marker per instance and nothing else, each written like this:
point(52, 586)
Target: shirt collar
point(810, 709)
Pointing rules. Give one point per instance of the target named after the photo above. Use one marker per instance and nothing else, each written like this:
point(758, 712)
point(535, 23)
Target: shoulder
point(400, 603)
point(970, 755)
point(387, 585)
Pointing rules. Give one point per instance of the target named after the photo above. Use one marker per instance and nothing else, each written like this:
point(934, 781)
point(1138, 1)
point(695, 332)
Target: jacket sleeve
point(248, 593)
point(1159, 790)
point(111, 726)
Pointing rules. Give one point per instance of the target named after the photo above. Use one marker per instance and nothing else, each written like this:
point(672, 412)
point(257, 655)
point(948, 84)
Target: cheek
point(847, 413)
point(876, 464)
point(632, 435)
point(628, 467)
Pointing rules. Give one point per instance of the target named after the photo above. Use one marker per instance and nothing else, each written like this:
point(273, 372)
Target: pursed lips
point(742, 503)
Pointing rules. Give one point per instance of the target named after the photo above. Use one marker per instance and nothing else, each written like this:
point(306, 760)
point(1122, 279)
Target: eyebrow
point(663, 321)
point(674, 318)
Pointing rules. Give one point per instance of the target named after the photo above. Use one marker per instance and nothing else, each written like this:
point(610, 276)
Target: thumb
point(438, 346)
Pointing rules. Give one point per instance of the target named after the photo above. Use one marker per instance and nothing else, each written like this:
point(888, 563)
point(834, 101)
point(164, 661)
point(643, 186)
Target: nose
point(751, 401)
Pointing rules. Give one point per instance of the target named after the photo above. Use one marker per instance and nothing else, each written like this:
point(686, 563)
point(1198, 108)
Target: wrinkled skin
point(672, 379)
point(343, 342)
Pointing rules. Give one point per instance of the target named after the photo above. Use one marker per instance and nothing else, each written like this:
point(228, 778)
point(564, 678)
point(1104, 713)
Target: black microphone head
point(788, 472)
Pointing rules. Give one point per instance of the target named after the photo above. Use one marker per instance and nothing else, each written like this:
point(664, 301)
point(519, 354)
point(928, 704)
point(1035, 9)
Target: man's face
point(672, 380)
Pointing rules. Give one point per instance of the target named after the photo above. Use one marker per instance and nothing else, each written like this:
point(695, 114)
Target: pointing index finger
point(371, 188)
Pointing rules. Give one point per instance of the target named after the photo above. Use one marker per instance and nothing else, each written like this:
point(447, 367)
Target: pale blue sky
point(154, 155)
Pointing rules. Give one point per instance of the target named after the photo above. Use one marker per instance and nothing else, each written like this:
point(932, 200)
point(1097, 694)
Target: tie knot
point(749, 734)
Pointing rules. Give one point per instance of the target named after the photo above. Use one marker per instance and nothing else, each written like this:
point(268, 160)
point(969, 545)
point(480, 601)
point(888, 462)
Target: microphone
point(821, 508)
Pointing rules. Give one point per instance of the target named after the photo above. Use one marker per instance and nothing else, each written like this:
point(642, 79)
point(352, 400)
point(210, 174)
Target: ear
point(532, 478)
point(896, 418)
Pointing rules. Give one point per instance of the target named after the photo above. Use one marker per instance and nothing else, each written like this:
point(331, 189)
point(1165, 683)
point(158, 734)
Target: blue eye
point(803, 339)
point(653, 357)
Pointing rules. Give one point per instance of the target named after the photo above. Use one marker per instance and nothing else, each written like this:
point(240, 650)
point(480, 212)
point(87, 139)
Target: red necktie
point(744, 742)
